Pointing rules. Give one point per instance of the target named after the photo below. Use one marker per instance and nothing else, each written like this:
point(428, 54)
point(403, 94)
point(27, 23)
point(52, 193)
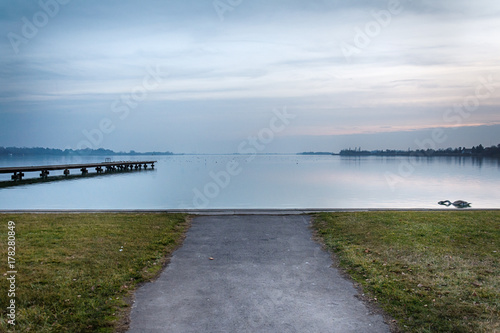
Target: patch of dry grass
point(431, 271)
point(75, 271)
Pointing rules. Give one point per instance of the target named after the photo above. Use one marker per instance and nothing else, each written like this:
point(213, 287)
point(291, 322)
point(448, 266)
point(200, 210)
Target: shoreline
point(256, 211)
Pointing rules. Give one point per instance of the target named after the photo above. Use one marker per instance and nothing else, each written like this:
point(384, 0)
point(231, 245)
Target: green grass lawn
point(75, 272)
point(431, 271)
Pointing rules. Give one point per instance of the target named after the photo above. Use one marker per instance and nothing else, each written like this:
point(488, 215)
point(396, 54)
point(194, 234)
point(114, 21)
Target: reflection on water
point(31, 178)
point(267, 181)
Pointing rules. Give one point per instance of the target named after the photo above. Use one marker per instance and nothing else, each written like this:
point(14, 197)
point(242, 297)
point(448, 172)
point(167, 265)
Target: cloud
point(263, 54)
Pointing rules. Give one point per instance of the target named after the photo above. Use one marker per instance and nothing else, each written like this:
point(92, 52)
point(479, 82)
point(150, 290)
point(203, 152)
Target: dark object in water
point(458, 203)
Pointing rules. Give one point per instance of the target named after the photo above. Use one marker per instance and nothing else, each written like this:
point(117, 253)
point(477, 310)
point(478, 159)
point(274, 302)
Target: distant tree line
point(315, 153)
point(38, 151)
point(478, 151)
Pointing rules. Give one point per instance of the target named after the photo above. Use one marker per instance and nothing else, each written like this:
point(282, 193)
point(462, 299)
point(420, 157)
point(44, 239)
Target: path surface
point(267, 275)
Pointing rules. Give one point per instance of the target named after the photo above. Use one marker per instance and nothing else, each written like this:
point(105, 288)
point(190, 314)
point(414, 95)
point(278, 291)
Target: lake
point(263, 181)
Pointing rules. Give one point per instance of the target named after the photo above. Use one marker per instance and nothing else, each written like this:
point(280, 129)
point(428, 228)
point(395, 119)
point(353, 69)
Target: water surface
point(266, 181)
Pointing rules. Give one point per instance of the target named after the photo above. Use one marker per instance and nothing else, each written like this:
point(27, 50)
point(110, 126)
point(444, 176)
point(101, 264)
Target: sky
point(224, 76)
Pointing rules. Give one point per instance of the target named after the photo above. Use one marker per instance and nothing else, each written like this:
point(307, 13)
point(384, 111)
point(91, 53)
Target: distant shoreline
point(38, 151)
point(475, 151)
point(418, 154)
point(478, 151)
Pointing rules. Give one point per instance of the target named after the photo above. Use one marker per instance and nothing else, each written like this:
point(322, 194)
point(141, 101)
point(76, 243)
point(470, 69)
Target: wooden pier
point(18, 172)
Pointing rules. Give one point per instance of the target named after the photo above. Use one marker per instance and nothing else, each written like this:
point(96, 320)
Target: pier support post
point(84, 171)
point(17, 176)
point(66, 172)
point(44, 174)
point(152, 165)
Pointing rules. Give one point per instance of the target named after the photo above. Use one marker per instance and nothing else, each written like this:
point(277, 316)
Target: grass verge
point(76, 272)
point(430, 271)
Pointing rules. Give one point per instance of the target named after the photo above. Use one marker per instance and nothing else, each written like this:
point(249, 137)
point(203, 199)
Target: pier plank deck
point(18, 172)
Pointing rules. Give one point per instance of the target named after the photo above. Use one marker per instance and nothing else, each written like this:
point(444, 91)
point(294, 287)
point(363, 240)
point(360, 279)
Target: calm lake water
point(266, 181)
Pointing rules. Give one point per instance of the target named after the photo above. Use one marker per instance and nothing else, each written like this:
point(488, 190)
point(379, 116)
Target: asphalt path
point(252, 273)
